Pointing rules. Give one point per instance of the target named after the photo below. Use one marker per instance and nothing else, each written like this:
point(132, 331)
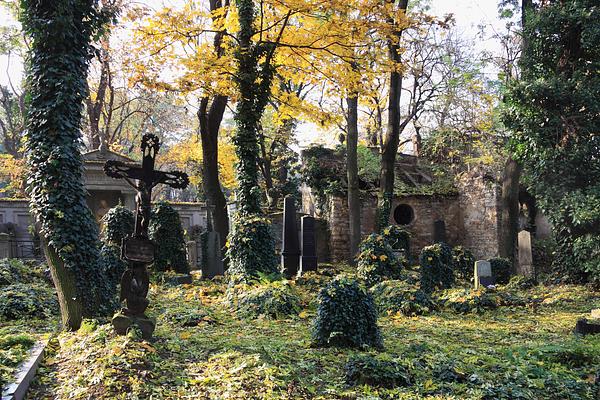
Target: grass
point(202, 350)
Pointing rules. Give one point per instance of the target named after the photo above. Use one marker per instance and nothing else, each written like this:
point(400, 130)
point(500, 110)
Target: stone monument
point(137, 249)
point(290, 248)
point(212, 261)
point(483, 274)
point(308, 260)
point(525, 255)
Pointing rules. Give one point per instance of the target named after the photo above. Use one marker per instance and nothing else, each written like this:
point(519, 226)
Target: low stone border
point(25, 374)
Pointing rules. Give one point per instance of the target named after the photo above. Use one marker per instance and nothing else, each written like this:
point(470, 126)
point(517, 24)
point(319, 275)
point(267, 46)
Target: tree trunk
point(392, 135)
point(210, 122)
point(352, 170)
point(510, 211)
point(71, 309)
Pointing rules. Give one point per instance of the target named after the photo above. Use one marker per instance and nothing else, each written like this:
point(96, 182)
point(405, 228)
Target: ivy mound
point(346, 316)
point(250, 248)
point(275, 300)
point(399, 297)
point(463, 263)
point(377, 261)
point(21, 301)
point(466, 301)
point(376, 371)
point(500, 270)
point(16, 271)
point(436, 267)
point(165, 230)
point(398, 238)
point(118, 223)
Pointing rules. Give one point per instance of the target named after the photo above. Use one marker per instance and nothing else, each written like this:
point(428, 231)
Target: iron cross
point(147, 177)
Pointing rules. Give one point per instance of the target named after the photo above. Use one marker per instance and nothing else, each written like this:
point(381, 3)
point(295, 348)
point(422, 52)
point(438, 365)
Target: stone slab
point(525, 255)
point(122, 323)
point(25, 374)
point(483, 274)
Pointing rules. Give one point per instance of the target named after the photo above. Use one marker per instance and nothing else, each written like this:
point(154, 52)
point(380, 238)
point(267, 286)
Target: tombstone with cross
point(138, 249)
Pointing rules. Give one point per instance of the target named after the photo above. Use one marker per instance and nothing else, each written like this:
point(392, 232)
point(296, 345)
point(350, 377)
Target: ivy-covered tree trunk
point(60, 35)
point(392, 135)
point(252, 248)
point(352, 171)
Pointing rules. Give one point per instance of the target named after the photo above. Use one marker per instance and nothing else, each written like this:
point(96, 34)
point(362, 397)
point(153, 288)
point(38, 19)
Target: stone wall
point(427, 211)
point(481, 214)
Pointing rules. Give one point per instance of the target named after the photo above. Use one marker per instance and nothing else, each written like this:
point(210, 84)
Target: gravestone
point(308, 260)
point(212, 261)
point(192, 254)
point(290, 248)
point(439, 232)
point(525, 267)
point(483, 274)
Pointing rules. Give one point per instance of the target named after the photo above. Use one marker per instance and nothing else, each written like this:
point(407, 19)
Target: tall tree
point(392, 135)
point(554, 114)
point(61, 35)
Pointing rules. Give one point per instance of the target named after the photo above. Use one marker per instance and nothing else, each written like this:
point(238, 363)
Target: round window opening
point(404, 214)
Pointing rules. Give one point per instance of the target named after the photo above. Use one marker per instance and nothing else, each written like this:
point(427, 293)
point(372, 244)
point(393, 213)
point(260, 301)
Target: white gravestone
point(525, 255)
point(483, 274)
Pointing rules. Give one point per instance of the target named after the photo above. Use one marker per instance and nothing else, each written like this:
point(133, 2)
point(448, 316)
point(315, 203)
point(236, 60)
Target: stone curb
point(25, 374)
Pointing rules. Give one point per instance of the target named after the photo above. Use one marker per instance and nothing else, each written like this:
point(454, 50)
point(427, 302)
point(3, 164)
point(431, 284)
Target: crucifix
point(137, 249)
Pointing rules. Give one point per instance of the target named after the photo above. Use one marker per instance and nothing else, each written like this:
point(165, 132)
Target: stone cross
point(525, 255)
point(138, 249)
point(483, 274)
point(290, 248)
point(308, 260)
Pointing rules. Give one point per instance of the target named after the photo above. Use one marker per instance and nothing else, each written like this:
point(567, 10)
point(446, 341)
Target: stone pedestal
point(122, 323)
point(290, 254)
point(308, 260)
point(192, 254)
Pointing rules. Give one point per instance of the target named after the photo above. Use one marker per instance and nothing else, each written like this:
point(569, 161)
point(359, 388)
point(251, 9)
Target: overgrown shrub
point(376, 260)
point(398, 238)
point(400, 297)
point(275, 300)
point(166, 232)
point(250, 247)
point(21, 301)
point(463, 262)
point(376, 371)
point(113, 265)
point(500, 269)
point(346, 316)
point(118, 222)
point(436, 267)
point(466, 301)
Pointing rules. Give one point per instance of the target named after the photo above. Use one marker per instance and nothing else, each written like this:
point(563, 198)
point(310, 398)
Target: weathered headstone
point(525, 255)
point(290, 248)
point(439, 231)
point(212, 264)
point(212, 261)
point(308, 260)
point(192, 254)
point(483, 274)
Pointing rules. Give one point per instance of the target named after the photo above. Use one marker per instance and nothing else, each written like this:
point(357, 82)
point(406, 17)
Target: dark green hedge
point(166, 232)
point(436, 267)
point(118, 222)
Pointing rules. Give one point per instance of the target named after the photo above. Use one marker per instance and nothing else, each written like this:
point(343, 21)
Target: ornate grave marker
point(138, 249)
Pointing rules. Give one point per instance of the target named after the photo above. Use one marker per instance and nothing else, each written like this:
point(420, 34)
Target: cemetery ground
point(513, 343)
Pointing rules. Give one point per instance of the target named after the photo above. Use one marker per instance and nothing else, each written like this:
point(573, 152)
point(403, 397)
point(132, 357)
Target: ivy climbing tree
point(254, 76)
point(61, 34)
point(554, 114)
